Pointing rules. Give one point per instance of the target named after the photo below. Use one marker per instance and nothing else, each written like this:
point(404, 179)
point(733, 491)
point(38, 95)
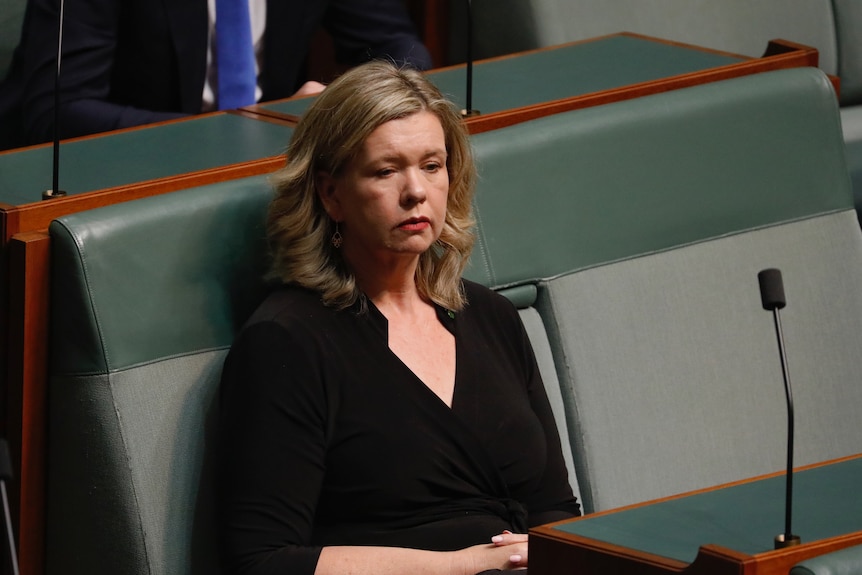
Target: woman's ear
point(325, 185)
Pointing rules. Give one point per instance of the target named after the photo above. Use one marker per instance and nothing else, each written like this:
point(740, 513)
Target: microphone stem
point(469, 56)
point(788, 505)
point(9, 534)
point(56, 171)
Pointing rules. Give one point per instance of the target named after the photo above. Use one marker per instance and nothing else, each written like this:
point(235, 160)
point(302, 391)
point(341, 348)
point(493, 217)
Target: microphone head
point(771, 289)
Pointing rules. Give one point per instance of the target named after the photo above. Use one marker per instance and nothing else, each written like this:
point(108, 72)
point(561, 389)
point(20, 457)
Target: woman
point(379, 414)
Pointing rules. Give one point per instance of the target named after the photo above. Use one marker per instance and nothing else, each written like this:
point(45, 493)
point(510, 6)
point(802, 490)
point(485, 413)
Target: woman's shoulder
point(290, 317)
point(290, 307)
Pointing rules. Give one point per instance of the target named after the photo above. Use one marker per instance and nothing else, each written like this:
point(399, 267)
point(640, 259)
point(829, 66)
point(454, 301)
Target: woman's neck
point(390, 285)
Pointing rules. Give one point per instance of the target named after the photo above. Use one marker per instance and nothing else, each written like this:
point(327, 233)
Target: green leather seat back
point(848, 24)
point(848, 21)
point(674, 381)
point(146, 298)
point(643, 225)
point(592, 186)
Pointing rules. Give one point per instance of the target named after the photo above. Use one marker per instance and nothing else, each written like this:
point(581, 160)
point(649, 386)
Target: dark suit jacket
point(132, 62)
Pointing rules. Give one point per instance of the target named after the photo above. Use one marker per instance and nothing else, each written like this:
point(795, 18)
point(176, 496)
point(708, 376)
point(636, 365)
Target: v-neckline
point(445, 317)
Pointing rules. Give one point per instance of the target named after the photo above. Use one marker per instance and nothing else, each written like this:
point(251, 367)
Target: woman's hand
point(518, 558)
point(310, 88)
point(507, 551)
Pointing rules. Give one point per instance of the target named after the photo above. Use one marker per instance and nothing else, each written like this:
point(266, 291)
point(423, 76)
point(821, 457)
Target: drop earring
point(337, 239)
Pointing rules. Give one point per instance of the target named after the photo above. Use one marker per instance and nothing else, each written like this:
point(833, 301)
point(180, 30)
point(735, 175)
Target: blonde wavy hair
point(329, 135)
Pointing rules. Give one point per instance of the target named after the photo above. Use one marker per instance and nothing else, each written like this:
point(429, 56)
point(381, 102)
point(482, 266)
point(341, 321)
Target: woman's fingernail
point(496, 538)
point(515, 559)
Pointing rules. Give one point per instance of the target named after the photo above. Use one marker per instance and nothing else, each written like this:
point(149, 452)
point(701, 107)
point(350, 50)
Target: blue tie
point(235, 55)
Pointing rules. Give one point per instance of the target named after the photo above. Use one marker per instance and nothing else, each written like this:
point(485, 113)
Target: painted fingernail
point(496, 538)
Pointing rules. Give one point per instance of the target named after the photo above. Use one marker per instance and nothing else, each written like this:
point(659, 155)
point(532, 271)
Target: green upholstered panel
point(157, 277)
point(524, 297)
point(544, 358)
point(11, 17)
point(590, 186)
point(743, 518)
point(854, 165)
point(146, 298)
point(845, 562)
point(123, 158)
point(738, 26)
point(500, 27)
point(851, 124)
point(848, 22)
point(672, 365)
point(130, 457)
point(86, 452)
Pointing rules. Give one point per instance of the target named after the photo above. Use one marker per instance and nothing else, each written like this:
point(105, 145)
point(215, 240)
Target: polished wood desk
point(117, 166)
point(724, 530)
point(529, 85)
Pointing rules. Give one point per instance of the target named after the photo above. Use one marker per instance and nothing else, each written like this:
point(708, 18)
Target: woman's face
point(390, 201)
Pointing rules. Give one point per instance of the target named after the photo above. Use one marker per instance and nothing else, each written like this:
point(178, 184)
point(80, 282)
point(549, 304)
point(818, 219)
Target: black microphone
point(772, 298)
point(6, 475)
point(469, 111)
point(55, 191)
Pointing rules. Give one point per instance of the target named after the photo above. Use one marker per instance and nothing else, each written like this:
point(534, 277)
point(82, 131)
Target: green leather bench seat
point(629, 235)
point(147, 296)
point(643, 225)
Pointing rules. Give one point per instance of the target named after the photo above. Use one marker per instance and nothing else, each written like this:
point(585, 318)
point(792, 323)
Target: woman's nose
point(414, 187)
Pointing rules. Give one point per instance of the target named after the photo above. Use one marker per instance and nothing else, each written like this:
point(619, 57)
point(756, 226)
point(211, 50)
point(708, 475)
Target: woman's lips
point(414, 224)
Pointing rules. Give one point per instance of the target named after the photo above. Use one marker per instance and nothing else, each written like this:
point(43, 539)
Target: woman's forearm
point(399, 560)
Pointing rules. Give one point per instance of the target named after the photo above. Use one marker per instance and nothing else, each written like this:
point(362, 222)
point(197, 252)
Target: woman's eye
point(432, 167)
